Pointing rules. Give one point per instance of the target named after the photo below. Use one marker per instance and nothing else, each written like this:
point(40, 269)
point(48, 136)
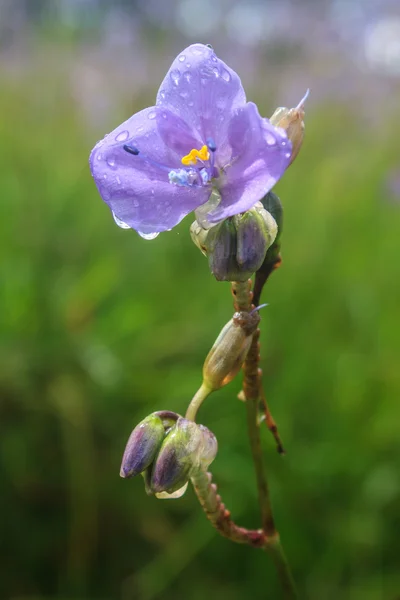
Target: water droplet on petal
point(184, 95)
point(162, 94)
point(121, 137)
point(104, 176)
point(120, 223)
point(151, 115)
point(111, 162)
point(182, 57)
point(197, 51)
point(139, 129)
point(288, 154)
point(225, 75)
point(99, 157)
point(118, 180)
point(187, 76)
point(216, 72)
point(175, 76)
point(271, 141)
point(214, 58)
point(152, 191)
point(188, 65)
point(148, 236)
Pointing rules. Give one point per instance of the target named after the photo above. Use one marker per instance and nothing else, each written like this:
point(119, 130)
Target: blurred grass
point(100, 328)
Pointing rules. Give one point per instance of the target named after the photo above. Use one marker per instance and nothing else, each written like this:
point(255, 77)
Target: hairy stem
point(252, 392)
point(219, 516)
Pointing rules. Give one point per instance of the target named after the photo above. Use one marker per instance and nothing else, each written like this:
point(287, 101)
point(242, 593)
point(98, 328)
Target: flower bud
point(291, 120)
point(143, 445)
point(230, 349)
point(237, 246)
point(187, 446)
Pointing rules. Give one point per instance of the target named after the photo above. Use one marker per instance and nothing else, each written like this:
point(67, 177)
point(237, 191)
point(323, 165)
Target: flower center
point(199, 165)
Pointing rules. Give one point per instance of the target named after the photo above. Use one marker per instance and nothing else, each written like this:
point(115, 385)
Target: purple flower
point(201, 137)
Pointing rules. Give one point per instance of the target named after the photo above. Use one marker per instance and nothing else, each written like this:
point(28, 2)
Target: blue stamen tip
point(211, 145)
point(131, 149)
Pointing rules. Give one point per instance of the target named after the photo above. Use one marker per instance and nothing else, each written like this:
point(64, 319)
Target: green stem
point(202, 393)
point(252, 391)
point(275, 549)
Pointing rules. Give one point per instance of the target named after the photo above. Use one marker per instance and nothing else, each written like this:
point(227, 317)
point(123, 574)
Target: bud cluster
point(166, 448)
point(236, 247)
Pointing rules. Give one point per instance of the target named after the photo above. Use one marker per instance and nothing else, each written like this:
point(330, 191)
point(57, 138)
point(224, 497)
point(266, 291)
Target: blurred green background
point(100, 327)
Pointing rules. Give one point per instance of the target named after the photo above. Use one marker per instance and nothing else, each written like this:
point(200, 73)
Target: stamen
point(302, 101)
point(136, 152)
point(131, 149)
point(211, 145)
point(191, 158)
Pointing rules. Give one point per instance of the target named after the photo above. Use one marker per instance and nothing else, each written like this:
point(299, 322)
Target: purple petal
point(136, 190)
point(260, 156)
point(204, 91)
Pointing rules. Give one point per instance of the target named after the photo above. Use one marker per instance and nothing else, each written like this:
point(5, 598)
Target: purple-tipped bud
point(187, 446)
point(237, 246)
point(143, 445)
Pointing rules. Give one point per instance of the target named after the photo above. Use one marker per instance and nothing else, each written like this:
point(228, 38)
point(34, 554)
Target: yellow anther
point(191, 158)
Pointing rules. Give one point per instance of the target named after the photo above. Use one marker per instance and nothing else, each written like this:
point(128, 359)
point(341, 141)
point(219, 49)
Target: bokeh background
point(100, 327)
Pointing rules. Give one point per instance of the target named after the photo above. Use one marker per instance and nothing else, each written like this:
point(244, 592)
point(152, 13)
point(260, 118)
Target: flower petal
point(204, 91)
point(137, 190)
point(260, 156)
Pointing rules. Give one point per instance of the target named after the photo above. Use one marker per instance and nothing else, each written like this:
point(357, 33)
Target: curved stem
point(219, 516)
point(202, 393)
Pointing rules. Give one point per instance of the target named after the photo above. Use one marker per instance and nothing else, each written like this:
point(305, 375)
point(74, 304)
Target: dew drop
point(182, 57)
point(148, 236)
point(111, 162)
point(216, 72)
point(271, 141)
point(164, 115)
point(118, 180)
point(283, 143)
point(225, 75)
point(104, 176)
point(214, 58)
point(99, 157)
point(288, 154)
point(151, 115)
point(121, 137)
point(139, 129)
point(152, 191)
point(187, 76)
point(197, 51)
point(175, 76)
point(184, 95)
point(162, 94)
point(120, 223)
point(188, 65)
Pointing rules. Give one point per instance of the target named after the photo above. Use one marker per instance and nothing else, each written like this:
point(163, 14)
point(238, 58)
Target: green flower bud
point(145, 442)
point(237, 246)
point(230, 349)
point(291, 120)
point(186, 447)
